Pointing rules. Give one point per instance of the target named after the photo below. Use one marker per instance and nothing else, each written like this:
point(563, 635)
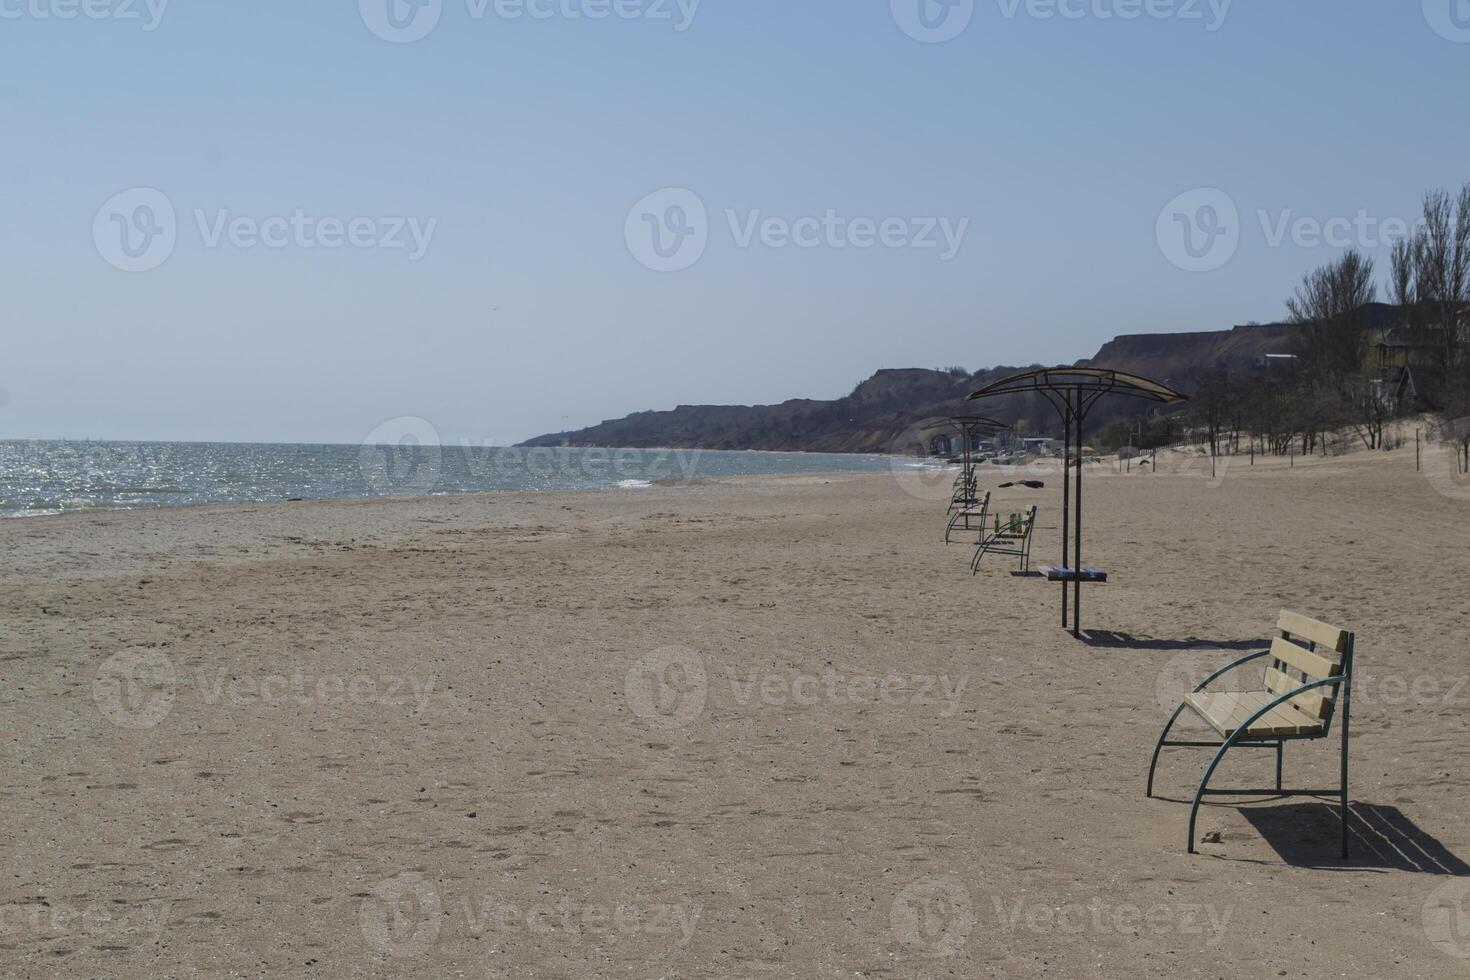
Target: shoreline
point(1103, 467)
point(465, 495)
point(111, 541)
point(1182, 460)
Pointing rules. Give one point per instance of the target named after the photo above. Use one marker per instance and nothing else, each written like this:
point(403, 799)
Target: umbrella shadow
point(1126, 641)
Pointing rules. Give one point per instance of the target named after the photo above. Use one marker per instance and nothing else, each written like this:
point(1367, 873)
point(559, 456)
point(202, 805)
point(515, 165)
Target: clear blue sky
point(527, 142)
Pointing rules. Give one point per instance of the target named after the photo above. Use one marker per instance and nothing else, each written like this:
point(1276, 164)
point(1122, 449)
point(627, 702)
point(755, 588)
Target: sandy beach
point(752, 727)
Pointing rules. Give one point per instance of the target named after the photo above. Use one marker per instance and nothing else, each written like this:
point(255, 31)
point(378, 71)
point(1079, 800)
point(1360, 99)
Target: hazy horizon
point(292, 224)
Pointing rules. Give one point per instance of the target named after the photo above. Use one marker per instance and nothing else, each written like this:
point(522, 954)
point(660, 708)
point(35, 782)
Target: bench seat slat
point(1228, 711)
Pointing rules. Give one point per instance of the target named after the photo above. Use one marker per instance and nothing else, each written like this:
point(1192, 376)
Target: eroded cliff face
point(1179, 357)
point(875, 416)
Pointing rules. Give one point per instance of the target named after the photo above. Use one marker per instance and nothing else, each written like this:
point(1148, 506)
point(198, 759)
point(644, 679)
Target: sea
point(46, 477)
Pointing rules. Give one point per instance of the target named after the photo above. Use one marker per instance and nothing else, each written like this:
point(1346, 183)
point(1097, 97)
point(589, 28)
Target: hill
point(1177, 358)
point(874, 417)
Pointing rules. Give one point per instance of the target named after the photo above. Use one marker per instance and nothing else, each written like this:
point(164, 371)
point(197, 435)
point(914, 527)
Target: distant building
point(1399, 348)
point(1401, 352)
point(1417, 339)
point(1273, 361)
point(942, 445)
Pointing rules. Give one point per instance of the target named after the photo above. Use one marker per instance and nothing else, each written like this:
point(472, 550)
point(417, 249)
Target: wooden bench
point(972, 512)
point(1008, 539)
point(1306, 687)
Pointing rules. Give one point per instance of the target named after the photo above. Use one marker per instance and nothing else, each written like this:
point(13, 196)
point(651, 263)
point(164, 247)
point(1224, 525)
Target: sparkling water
point(49, 477)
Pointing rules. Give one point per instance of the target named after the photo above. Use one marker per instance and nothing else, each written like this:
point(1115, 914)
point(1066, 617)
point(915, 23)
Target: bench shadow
point(1126, 641)
point(1306, 835)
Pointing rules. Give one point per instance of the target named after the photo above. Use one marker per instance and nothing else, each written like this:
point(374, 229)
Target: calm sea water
point(49, 477)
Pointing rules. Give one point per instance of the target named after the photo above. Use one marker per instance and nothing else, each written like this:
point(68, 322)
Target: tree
point(1403, 273)
point(1213, 405)
point(1268, 409)
point(1441, 254)
point(1329, 306)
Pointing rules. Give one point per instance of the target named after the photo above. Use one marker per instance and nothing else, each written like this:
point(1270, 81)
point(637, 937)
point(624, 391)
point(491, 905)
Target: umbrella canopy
point(1095, 382)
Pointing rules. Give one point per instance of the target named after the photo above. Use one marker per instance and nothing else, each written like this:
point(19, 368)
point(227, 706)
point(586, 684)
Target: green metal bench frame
point(1341, 685)
point(1007, 542)
point(966, 485)
point(966, 515)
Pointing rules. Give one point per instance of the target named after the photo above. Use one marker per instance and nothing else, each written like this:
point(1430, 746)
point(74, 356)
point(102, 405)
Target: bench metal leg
point(1344, 802)
point(950, 529)
point(1158, 748)
point(986, 548)
point(981, 551)
point(1204, 785)
point(1280, 746)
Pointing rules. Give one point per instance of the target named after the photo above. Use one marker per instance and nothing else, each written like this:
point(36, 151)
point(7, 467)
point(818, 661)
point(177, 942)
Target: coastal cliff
point(876, 414)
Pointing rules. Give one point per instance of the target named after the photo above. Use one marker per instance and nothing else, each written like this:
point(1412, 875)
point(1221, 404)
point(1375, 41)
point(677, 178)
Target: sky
point(305, 222)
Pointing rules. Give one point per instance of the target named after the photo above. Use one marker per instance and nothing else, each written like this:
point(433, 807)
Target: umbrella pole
point(1066, 494)
point(1077, 530)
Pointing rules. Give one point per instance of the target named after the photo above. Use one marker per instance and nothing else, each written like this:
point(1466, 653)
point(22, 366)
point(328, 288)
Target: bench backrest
point(1308, 650)
point(1021, 530)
